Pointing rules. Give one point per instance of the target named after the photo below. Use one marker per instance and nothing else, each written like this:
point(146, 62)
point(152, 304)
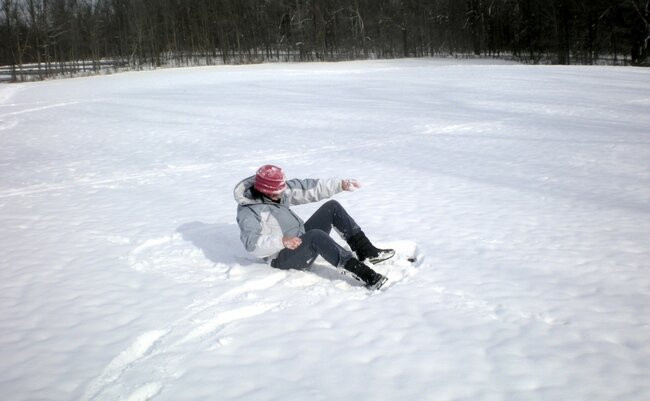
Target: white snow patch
point(227, 317)
point(145, 392)
point(120, 363)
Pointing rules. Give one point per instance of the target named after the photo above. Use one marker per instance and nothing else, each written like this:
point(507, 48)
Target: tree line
point(54, 33)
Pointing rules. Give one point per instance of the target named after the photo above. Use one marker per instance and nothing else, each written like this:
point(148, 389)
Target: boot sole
point(378, 284)
point(374, 261)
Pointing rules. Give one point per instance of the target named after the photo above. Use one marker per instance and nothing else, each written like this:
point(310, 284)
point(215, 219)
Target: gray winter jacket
point(263, 222)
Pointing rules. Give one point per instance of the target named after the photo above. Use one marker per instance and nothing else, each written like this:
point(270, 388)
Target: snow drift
point(524, 192)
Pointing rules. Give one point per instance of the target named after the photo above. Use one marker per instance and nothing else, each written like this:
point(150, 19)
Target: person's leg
point(314, 242)
point(318, 242)
point(365, 250)
point(332, 214)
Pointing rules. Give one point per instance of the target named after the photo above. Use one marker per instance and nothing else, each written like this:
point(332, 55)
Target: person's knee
point(334, 206)
point(333, 203)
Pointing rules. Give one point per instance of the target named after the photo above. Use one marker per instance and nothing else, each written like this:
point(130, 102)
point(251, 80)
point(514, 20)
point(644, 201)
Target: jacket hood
point(243, 194)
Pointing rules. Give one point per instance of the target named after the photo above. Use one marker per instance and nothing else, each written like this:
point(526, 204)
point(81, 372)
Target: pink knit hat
point(269, 180)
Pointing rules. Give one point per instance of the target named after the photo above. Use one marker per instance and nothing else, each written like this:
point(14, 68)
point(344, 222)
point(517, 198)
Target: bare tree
point(55, 33)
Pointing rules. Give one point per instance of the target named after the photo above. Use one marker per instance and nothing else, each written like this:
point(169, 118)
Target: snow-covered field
point(524, 192)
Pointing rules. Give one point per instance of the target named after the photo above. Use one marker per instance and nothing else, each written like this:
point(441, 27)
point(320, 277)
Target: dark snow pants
point(317, 241)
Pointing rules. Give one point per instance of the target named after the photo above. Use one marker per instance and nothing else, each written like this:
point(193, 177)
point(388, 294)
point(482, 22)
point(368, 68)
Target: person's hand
point(350, 184)
point(291, 242)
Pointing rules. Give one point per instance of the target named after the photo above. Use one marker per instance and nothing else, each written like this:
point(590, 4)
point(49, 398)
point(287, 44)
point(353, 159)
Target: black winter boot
point(362, 272)
point(361, 245)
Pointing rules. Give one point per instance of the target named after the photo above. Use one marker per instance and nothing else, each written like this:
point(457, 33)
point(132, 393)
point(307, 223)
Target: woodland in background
point(57, 36)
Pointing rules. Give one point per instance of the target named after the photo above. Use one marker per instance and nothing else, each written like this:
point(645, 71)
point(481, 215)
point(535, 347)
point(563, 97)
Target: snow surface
point(524, 192)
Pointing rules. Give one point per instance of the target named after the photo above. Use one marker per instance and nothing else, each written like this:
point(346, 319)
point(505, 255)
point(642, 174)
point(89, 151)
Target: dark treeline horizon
point(184, 32)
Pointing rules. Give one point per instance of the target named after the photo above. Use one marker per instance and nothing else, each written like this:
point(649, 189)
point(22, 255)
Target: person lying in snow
point(271, 231)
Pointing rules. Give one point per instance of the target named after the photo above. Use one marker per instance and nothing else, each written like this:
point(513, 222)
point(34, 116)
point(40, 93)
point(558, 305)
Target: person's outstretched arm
point(308, 190)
